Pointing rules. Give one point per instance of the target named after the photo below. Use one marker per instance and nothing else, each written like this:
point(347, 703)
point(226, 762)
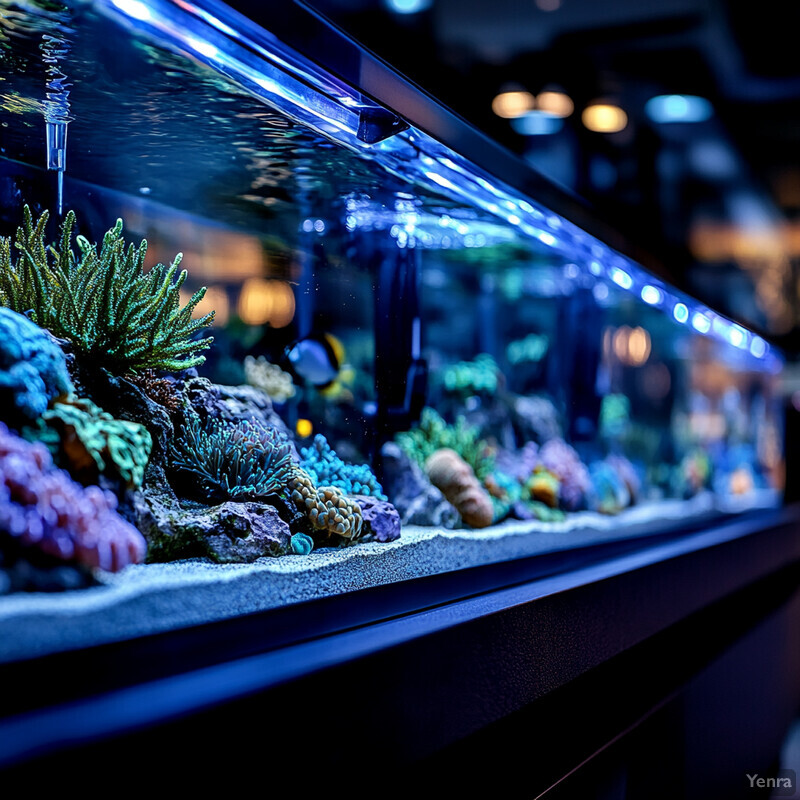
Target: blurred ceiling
point(717, 202)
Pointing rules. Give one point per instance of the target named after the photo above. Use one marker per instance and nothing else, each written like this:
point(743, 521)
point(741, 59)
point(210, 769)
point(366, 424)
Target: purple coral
point(565, 463)
point(42, 506)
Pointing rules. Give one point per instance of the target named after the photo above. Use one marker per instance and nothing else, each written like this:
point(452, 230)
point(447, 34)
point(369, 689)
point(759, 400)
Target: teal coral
point(530, 349)
point(233, 460)
point(302, 544)
point(103, 302)
point(327, 469)
point(433, 433)
point(87, 442)
point(479, 376)
point(33, 370)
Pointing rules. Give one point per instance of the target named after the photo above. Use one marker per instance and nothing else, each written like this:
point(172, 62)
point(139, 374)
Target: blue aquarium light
point(212, 33)
point(652, 295)
point(537, 123)
point(666, 108)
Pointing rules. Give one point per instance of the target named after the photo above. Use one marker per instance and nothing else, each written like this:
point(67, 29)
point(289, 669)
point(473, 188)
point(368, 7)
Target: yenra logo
point(783, 781)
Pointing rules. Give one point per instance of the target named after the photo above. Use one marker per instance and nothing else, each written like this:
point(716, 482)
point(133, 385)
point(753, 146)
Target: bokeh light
point(604, 118)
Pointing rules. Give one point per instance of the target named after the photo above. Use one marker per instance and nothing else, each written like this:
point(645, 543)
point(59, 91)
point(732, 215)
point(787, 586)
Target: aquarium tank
point(266, 339)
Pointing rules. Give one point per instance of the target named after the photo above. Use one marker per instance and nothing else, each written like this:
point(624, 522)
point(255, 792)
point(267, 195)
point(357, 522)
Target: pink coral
point(42, 506)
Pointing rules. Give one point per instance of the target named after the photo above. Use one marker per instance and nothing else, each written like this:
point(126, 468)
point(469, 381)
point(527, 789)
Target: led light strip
point(206, 31)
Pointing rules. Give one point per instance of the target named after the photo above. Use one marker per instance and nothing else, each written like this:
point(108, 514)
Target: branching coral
point(327, 469)
point(269, 378)
point(433, 434)
point(41, 507)
point(103, 302)
point(33, 370)
point(233, 460)
point(89, 441)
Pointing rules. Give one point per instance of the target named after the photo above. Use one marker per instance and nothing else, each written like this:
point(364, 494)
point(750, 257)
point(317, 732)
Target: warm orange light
point(304, 428)
point(556, 103)
point(604, 118)
point(638, 347)
point(262, 301)
point(631, 345)
point(621, 342)
point(512, 104)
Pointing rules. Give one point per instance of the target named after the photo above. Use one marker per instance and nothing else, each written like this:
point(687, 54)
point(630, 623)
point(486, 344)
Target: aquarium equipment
point(303, 354)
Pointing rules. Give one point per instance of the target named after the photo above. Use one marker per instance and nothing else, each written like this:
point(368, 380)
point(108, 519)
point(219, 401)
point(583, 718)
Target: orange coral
point(449, 473)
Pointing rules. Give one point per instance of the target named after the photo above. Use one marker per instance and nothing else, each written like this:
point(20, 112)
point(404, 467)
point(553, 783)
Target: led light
point(537, 123)
point(600, 291)
point(204, 48)
point(441, 180)
point(667, 108)
point(737, 336)
point(556, 103)
point(758, 347)
point(133, 8)
point(651, 295)
point(700, 322)
point(621, 278)
point(407, 6)
point(680, 312)
point(510, 105)
point(604, 118)
point(596, 268)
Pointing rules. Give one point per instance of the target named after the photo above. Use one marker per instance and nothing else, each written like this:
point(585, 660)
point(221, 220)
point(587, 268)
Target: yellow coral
point(326, 506)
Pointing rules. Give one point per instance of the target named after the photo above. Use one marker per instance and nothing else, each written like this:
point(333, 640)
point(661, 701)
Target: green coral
point(232, 460)
point(87, 442)
point(103, 302)
point(479, 376)
point(433, 433)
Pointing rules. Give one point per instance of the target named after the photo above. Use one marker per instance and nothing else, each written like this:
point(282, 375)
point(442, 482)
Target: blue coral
point(33, 370)
point(327, 469)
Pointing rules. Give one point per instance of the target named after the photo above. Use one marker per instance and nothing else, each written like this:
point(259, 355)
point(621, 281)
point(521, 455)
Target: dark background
point(716, 202)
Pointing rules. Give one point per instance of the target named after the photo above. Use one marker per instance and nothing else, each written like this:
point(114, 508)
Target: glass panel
point(493, 376)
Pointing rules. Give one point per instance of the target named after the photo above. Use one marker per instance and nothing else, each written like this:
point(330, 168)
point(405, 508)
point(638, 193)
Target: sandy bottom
point(151, 598)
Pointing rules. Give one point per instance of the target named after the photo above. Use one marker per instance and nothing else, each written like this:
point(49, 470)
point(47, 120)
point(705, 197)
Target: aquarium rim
point(292, 58)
